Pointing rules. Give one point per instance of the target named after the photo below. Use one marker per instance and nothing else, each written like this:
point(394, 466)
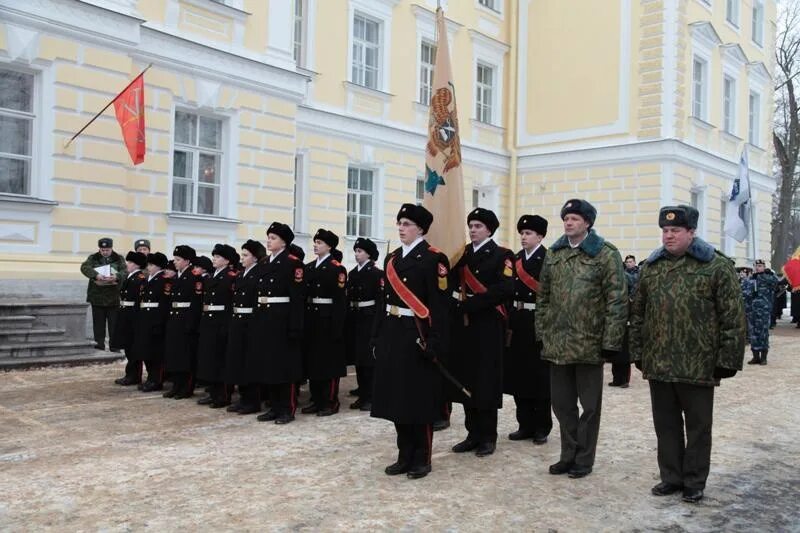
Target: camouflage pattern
point(759, 291)
point(103, 293)
point(582, 307)
point(688, 316)
point(748, 308)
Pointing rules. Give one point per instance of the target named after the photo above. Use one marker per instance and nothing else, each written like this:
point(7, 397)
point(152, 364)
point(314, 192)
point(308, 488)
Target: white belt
point(242, 310)
point(458, 296)
point(181, 305)
point(322, 301)
point(126, 303)
point(148, 305)
point(399, 311)
point(213, 308)
point(523, 305)
point(365, 303)
point(273, 299)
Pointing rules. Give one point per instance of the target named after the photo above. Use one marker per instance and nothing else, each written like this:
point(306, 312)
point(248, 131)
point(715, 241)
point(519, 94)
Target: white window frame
point(700, 193)
point(425, 72)
point(224, 151)
point(491, 53)
point(759, 82)
point(300, 58)
point(381, 12)
point(733, 59)
point(375, 215)
point(754, 118)
point(733, 13)
point(32, 188)
point(757, 23)
point(729, 104)
point(426, 31)
point(419, 189)
point(703, 89)
point(495, 9)
point(482, 107)
point(704, 41)
point(300, 190)
point(359, 72)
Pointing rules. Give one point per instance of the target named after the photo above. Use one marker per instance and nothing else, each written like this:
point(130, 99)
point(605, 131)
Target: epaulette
point(725, 256)
point(434, 249)
point(611, 245)
point(232, 273)
point(294, 257)
point(335, 263)
point(141, 275)
point(196, 271)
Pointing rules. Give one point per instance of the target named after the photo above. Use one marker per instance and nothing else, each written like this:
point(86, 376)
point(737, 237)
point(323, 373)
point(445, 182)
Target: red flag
point(129, 108)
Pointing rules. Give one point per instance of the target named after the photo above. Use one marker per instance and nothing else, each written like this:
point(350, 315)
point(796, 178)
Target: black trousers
point(364, 379)
point(250, 395)
point(683, 459)
point(102, 316)
point(133, 370)
point(570, 384)
point(621, 373)
point(481, 424)
point(324, 392)
point(534, 415)
point(220, 392)
point(283, 398)
point(155, 371)
point(414, 444)
point(182, 381)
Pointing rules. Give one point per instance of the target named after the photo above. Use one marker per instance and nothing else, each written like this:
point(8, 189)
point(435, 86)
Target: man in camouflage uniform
point(687, 333)
point(582, 311)
point(759, 294)
point(103, 291)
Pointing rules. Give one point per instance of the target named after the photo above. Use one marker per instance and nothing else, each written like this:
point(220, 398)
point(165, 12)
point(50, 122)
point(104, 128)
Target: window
point(491, 4)
point(299, 32)
point(484, 93)
point(298, 210)
point(699, 81)
point(758, 23)
point(420, 192)
point(196, 164)
point(723, 205)
point(427, 58)
point(476, 195)
point(360, 192)
point(16, 131)
point(728, 104)
point(366, 51)
point(732, 12)
point(754, 119)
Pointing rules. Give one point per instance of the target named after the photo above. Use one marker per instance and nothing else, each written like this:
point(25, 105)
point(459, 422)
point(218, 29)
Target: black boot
point(764, 357)
point(756, 360)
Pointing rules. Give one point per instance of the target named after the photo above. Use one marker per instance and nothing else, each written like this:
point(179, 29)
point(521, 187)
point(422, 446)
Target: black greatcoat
point(525, 374)
point(275, 354)
point(323, 350)
point(180, 344)
point(362, 286)
point(125, 329)
point(148, 344)
point(244, 296)
point(795, 303)
point(213, 335)
point(407, 386)
point(476, 359)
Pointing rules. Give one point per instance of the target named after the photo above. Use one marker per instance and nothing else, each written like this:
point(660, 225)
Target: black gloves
point(722, 373)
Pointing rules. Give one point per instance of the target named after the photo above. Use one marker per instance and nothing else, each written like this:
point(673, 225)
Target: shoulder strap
point(526, 278)
point(405, 294)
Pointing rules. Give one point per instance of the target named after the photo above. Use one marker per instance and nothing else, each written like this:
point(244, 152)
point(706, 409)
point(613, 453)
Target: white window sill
point(730, 137)
point(732, 26)
point(28, 203)
point(482, 8)
point(700, 123)
point(201, 218)
point(755, 148)
point(368, 91)
point(222, 9)
point(490, 128)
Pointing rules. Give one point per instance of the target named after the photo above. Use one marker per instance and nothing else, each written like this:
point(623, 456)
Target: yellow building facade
point(314, 112)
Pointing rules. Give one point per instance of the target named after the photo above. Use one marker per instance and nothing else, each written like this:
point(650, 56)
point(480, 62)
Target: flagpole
point(66, 144)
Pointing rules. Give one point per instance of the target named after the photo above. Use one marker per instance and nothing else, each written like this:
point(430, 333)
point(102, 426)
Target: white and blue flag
point(737, 211)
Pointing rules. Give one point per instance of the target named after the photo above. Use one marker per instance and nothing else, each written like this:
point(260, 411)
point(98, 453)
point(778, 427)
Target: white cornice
point(758, 73)
point(426, 20)
point(487, 44)
point(733, 53)
point(704, 34)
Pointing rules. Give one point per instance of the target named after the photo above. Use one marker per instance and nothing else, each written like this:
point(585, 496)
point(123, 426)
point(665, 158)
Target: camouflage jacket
point(688, 316)
point(759, 290)
point(582, 306)
point(104, 293)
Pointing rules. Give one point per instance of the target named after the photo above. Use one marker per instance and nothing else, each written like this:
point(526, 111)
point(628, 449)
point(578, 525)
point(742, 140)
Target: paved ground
point(78, 453)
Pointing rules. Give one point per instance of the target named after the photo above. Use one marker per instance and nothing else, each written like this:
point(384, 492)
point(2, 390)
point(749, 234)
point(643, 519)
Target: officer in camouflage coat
point(581, 310)
point(759, 296)
point(103, 291)
point(687, 333)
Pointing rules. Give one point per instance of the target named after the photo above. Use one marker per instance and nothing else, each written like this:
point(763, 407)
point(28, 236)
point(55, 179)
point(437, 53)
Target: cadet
point(759, 295)
point(180, 350)
point(202, 266)
point(275, 349)
point(124, 332)
point(103, 291)
point(582, 311)
point(484, 281)
point(526, 375)
point(237, 352)
point(213, 337)
point(142, 246)
point(409, 336)
point(687, 333)
point(363, 286)
point(323, 352)
point(148, 343)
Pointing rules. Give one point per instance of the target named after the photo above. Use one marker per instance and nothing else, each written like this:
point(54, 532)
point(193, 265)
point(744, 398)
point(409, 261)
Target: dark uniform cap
point(486, 216)
point(579, 207)
point(171, 266)
point(327, 236)
point(141, 242)
point(184, 251)
point(678, 215)
point(255, 248)
point(337, 254)
point(296, 251)
point(533, 223)
point(203, 262)
point(105, 242)
point(137, 257)
point(225, 251)
point(368, 246)
point(416, 214)
point(158, 259)
point(283, 231)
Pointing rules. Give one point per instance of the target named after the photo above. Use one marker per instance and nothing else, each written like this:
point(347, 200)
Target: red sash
point(526, 278)
point(474, 284)
point(405, 294)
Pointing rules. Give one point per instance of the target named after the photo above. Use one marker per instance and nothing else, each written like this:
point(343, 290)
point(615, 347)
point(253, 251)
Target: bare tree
point(786, 133)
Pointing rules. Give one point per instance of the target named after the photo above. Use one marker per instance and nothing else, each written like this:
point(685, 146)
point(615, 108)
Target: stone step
point(83, 358)
point(51, 349)
point(31, 335)
point(50, 313)
point(16, 322)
